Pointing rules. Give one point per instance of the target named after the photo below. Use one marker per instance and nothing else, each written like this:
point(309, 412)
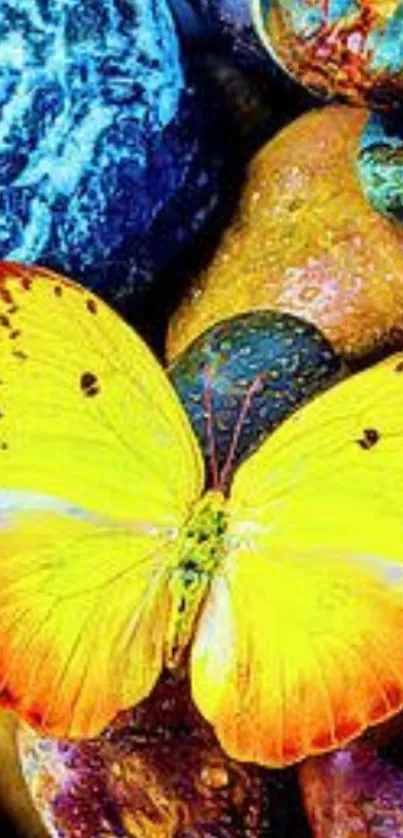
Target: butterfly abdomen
point(201, 551)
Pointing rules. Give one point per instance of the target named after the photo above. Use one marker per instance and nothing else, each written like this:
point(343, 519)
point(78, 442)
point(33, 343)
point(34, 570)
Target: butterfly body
point(200, 553)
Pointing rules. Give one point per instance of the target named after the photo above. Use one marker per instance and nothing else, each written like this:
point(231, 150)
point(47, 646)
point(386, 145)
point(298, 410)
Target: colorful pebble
point(348, 48)
point(305, 241)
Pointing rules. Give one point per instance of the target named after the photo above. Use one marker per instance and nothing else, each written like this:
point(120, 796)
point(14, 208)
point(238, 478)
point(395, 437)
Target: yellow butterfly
point(286, 595)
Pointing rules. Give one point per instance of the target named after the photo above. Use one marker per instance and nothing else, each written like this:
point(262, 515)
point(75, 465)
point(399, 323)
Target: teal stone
point(241, 378)
point(380, 164)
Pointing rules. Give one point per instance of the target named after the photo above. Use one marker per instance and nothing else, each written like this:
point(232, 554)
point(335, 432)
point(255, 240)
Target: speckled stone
point(353, 793)
point(105, 169)
point(305, 241)
point(350, 48)
point(380, 164)
point(243, 377)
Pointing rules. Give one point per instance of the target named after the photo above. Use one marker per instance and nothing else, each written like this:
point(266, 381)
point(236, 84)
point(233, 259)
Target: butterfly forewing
point(87, 413)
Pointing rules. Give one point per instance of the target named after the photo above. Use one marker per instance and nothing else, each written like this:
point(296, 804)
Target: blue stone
point(106, 168)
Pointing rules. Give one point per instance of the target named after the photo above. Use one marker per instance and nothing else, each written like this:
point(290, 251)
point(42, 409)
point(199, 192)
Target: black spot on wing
point(5, 295)
point(92, 305)
point(19, 354)
point(89, 384)
point(370, 436)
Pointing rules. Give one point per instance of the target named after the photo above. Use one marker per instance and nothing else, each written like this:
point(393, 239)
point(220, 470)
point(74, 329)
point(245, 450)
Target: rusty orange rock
point(305, 241)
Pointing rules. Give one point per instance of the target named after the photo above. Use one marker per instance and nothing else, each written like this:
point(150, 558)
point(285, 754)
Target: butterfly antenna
point(251, 391)
point(208, 415)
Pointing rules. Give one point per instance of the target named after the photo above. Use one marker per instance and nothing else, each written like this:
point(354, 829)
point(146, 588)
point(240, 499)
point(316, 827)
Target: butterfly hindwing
point(83, 617)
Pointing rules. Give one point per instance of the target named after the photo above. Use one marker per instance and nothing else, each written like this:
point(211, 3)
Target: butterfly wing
point(98, 470)
point(300, 646)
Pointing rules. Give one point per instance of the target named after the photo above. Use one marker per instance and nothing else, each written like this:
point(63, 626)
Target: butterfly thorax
point(201, 550)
